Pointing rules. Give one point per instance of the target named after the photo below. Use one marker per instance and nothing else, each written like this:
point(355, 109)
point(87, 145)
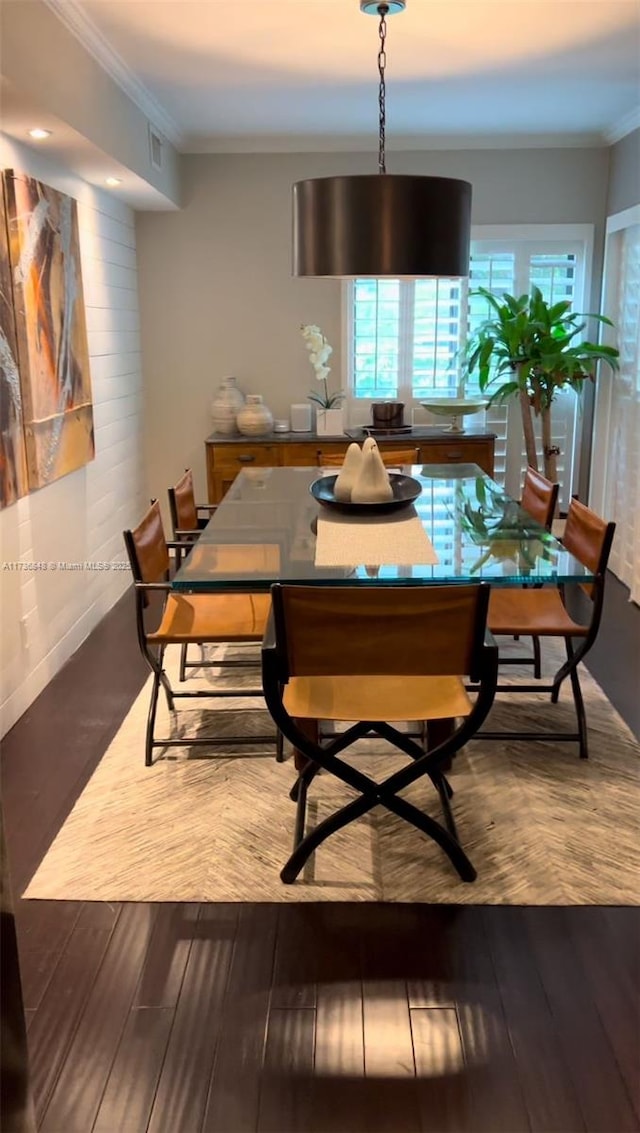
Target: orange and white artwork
point(13, 460)
point(53, 356)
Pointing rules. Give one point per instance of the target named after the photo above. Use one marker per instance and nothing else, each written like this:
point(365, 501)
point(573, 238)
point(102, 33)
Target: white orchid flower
point(319, 353)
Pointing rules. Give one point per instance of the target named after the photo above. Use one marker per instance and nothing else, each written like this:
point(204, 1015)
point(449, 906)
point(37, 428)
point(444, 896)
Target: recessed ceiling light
point(39, 134)
point(112, 181)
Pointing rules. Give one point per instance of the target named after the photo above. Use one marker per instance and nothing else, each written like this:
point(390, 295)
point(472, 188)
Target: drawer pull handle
point(455, 454)
point(246, 458)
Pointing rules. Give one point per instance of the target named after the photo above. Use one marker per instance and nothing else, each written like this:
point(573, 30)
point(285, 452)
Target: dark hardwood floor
point(299, 1018)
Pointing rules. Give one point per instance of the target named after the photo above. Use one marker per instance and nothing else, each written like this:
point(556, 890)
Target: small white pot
point(330, 422)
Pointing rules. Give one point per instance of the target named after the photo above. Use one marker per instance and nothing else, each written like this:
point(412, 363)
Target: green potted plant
point(527, 347)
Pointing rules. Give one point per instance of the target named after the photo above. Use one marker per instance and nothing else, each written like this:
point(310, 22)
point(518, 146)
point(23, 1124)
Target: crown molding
point(85, 31)
point(625, 125)
point(368, 143)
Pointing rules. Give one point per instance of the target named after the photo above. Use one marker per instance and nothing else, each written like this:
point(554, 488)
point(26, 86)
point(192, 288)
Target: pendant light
point(382, 224)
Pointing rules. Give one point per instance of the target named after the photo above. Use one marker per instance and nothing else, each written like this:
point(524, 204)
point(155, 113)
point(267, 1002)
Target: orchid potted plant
point(329, 414)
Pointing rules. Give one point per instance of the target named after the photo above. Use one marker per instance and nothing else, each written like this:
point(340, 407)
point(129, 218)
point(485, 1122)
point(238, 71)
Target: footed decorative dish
point(405, 491)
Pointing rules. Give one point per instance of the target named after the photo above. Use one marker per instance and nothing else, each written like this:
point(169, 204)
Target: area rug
point(540, 825)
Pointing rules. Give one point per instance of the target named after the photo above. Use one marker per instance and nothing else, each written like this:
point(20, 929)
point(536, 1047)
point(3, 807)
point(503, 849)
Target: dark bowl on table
point(405, 491)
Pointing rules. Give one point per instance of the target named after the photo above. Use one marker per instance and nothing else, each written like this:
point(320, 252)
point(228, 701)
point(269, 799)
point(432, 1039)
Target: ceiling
point(250, 72)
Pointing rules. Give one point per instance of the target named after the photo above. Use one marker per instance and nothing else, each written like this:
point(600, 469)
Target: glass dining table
point(266, 531)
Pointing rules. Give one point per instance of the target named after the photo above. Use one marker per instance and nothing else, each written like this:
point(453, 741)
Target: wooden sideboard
point(226, 456)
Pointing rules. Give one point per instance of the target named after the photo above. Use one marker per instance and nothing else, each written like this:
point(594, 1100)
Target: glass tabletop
point(266, 530)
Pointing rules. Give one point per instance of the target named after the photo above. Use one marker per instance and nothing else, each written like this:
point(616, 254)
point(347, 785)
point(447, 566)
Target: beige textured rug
point(540, 825)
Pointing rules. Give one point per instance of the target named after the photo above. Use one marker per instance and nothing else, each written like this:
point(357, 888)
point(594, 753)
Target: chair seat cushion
point(538, 612)
point(376, 698)
point(212, 617)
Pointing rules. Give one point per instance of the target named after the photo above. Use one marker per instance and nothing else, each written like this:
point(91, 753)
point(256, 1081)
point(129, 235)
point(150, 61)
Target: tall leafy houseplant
point(532, 345)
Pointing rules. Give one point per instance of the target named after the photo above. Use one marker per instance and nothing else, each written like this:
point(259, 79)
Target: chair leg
point(164, 680)
point(151, 718)
point(447, 841)
point(301, 812)
point(537, 659)
point(334, 822)
point(306, 776)
point(183, 662)
point(579, 704)
point(279, 747)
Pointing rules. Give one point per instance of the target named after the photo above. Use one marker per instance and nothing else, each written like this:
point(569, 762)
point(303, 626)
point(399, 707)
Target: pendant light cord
point(382, 62)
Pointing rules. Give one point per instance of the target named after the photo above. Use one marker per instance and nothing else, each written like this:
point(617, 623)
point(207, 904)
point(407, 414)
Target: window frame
point(604, 466)
point(525, 240)
point(359, 408)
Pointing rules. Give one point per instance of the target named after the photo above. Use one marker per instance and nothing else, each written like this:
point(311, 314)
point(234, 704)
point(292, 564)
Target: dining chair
point(389, 459)
point(187, 522)
point(377, 655)
point(542, 612)
point(186, 619)
point(539, 499)
point(187, 518)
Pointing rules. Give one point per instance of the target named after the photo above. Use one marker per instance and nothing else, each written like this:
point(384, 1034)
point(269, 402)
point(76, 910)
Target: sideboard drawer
point(233, 458)
point(300, 455)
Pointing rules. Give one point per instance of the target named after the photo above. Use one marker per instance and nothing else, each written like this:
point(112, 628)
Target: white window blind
point(404, 339)
point(617, 444)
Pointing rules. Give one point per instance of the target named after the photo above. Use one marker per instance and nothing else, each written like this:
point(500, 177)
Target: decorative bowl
point(455, 407)
point(405, 491)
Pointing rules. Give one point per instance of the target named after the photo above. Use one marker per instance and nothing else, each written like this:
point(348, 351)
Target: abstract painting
point(44, 253)
point(13, 461)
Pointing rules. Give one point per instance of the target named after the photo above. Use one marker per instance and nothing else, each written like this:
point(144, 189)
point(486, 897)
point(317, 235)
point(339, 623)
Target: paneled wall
point(78, 520)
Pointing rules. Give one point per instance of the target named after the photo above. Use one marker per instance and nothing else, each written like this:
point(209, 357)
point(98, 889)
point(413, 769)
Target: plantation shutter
point(404, 339)
point(376, 339)
point(494, 271)
point(622, 492)
point(557, 277)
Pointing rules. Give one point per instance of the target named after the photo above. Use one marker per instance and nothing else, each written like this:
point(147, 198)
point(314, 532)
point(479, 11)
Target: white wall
point(45, 615)
point(217, 296)
point(41, 57)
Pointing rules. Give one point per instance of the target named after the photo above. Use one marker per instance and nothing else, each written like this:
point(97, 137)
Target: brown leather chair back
point(384, 630)
point(588, 538)
point(147, 547)
point(389, 459)
point(539, 497)
point(182, 504)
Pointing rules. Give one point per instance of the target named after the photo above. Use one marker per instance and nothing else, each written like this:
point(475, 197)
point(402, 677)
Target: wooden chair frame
point(532, 480)
point(569, 669)
point(154, 656)
point(183, 542)
point(181, 534)
point(325, 753)
point(185, 539)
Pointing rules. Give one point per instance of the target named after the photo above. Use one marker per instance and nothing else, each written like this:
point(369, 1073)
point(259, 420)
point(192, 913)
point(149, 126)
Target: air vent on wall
point(155, 148)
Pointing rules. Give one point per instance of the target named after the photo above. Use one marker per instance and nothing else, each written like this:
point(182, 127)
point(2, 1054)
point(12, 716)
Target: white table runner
point(392, 540)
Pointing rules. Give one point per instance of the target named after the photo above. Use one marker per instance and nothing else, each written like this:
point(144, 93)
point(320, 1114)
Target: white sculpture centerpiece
point(329, 414)
point(363, 478)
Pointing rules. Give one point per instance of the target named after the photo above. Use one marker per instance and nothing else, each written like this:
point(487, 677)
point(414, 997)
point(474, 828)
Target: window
point(404, 337)
point(615, 487)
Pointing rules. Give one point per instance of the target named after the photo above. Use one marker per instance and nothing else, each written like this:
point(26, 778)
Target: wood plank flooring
point(328, 1018)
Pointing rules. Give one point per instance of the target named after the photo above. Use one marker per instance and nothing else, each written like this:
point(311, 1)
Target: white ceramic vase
point(330, 422)
point(254, 419)
point(225, 407)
